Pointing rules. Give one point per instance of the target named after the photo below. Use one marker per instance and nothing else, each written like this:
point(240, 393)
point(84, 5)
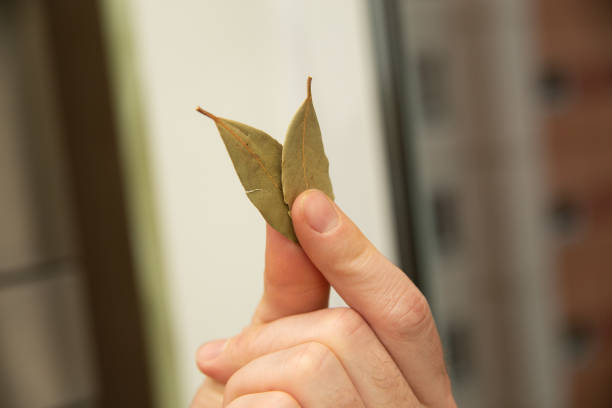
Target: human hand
point(382, 351)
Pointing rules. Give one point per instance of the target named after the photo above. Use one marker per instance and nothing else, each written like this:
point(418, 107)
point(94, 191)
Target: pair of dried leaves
point(273, 175)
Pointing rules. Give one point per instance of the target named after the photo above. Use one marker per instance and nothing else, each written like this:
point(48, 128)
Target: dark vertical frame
point(392, 85)
point(94, 166)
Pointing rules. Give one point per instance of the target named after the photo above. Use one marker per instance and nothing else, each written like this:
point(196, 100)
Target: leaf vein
point(252, 153)
point(306, 106)
point(242, 142)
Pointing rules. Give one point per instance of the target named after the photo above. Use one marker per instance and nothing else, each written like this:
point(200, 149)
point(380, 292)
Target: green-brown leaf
point(257, 159)
point(304, 164)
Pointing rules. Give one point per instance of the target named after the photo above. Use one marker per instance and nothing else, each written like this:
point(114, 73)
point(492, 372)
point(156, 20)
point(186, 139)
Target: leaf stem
point(206, 113)
point(308, 82)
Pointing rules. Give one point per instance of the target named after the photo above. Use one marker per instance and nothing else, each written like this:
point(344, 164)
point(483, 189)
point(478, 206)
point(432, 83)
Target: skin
point(381, 351)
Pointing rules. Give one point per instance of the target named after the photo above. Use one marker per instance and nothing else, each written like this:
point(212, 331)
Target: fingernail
point(211, 350)
point(319, 211)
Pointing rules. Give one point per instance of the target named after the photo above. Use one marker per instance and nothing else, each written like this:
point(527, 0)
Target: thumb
point(368, 282)
point(360, 274)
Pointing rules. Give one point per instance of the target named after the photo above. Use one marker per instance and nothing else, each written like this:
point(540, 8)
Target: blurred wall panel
point(45, 338)
point(45, 343)
point(32, 176)
point(70, 318)
point(93, 160)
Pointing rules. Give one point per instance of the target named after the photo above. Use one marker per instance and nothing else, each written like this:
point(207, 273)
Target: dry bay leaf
point(304, 164)
point(257, 159)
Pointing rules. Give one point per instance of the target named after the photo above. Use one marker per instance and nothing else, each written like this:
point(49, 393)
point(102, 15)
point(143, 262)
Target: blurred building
point(574, 51)
point(502, 111)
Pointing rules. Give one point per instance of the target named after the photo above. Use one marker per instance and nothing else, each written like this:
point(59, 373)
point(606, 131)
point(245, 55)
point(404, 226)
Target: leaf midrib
point(255, 156)
point(307, 104)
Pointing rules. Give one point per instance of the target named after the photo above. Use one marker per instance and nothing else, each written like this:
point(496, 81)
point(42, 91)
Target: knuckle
point(387, 378)
point(210, 394)
point(242, 346)
point(268, 399)
point(384, 373)
point(408, 315)
point(282, 399)
point(357, 259)
point(232, 386)
point(238, 342)
point(310, 358)
point(348, 323)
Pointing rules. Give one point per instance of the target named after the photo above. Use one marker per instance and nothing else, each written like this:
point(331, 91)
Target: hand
point(382, 351)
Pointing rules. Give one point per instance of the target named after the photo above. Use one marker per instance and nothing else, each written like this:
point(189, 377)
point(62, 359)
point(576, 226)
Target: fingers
point(309, 372)
point(209, 395)
point(375, 376)
point(268, 399)
point(390, 303)
point(292, 284)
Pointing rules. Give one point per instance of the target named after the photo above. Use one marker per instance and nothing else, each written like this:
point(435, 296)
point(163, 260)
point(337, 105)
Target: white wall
point(248, 61)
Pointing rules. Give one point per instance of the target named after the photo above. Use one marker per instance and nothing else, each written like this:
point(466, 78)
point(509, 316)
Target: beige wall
point(248, 61)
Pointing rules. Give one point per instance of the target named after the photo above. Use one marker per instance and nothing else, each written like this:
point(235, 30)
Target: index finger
point(292, 284)
point(391, 304)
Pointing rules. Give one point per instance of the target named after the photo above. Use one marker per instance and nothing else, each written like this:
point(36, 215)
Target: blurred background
point(470, 140)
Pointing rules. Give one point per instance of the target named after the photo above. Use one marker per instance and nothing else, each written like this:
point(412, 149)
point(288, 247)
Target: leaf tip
point(206, 113)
